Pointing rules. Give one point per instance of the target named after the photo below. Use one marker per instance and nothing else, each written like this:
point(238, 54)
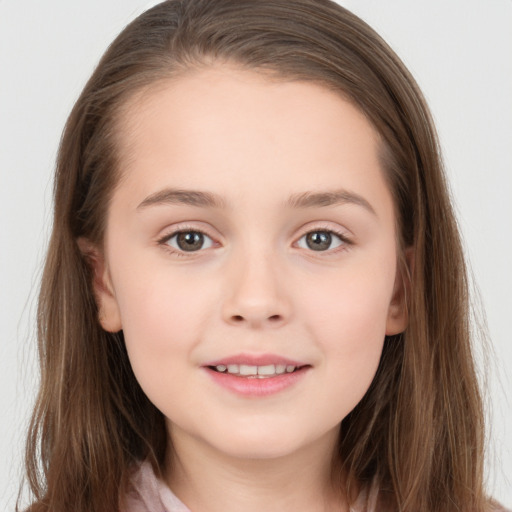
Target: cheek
point(352, 302)
point(347, 317)
point(162, 315)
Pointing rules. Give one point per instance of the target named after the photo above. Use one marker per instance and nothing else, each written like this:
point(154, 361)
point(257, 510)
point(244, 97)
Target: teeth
point(267, 370)
point(246, 370)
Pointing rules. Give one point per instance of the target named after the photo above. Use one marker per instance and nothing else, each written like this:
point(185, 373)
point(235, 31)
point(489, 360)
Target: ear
point(398, 308)
point(108, 310)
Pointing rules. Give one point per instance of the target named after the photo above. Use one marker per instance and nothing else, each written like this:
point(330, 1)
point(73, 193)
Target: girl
point(254, 296)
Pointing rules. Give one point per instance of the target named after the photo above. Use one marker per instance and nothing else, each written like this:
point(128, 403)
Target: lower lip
point(254, 386)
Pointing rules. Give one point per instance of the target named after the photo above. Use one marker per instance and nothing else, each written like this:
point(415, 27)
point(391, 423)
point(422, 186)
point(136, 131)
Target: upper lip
point(256, 360)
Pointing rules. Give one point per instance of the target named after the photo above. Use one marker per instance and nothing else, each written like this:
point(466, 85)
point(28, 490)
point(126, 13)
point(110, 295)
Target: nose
point(255, 294)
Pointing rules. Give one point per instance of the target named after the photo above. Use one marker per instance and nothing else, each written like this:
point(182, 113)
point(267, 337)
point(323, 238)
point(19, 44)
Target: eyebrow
point(329, 198)
point(187, 197)
point(301, 200)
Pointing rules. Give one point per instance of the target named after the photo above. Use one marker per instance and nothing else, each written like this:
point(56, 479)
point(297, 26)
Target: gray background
point(458, 50)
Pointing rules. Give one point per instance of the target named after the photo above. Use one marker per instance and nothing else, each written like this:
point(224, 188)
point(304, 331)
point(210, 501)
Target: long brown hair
point(419, 429)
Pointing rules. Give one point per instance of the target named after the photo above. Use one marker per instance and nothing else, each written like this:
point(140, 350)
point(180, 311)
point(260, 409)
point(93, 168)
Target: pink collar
point(149, 494)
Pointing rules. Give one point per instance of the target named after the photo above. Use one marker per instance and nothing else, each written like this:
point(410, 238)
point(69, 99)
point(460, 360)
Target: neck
point(209, 481)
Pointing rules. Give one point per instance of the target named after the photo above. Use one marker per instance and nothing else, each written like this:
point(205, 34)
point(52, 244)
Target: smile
point(260, 372)
point(256, 375)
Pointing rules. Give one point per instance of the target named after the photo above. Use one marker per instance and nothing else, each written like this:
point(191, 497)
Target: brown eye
point(189, 241)
point(320, 240)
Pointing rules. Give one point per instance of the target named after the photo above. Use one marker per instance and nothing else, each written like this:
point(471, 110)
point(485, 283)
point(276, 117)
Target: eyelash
point(164, 241)
point(345, 241)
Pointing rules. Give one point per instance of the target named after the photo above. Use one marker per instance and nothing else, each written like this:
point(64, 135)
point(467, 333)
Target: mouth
point(267, 371)
point(256, 375)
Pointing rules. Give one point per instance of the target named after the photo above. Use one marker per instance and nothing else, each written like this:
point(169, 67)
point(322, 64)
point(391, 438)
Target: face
point(250, 259)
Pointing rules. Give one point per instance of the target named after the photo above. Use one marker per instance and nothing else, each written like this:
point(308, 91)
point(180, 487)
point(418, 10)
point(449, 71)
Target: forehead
point(212, 127)
point(225, 96)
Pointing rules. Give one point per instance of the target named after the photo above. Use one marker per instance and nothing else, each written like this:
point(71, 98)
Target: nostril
point(272, 319)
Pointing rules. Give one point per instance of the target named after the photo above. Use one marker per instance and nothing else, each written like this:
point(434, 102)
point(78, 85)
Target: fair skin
point(262, 276)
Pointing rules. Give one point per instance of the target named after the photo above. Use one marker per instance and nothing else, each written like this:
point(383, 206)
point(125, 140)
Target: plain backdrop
point(460, 52)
